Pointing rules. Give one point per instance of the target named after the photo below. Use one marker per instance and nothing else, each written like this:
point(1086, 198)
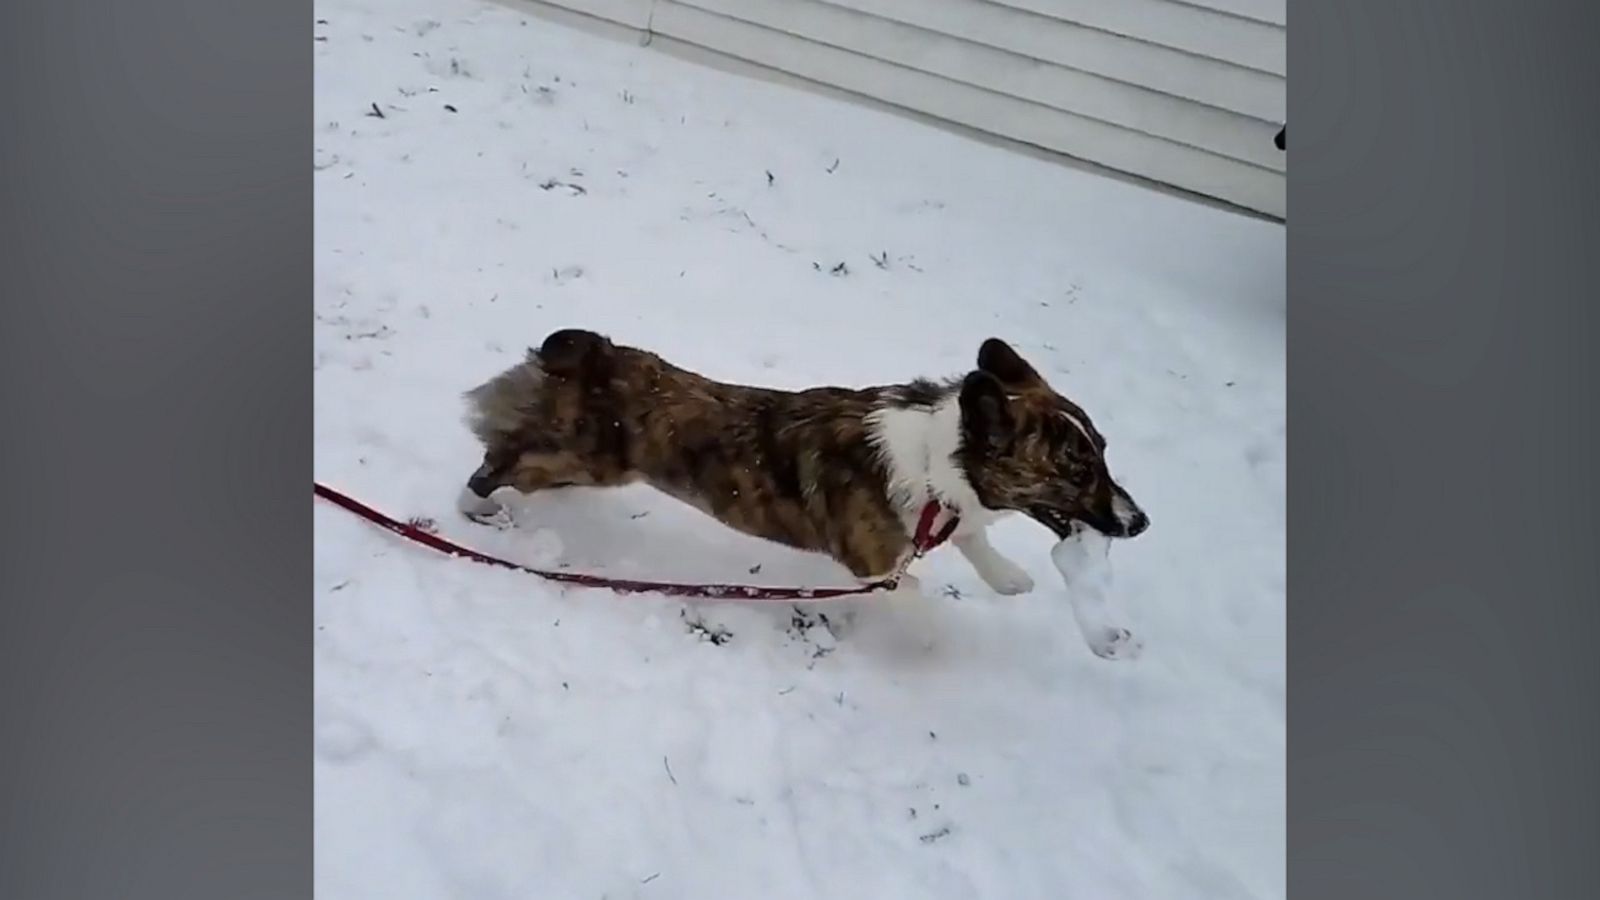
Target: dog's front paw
point(1112, 642)
point(1007, 578)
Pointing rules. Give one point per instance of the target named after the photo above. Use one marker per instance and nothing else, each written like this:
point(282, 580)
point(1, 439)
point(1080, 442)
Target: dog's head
point(1025, 447)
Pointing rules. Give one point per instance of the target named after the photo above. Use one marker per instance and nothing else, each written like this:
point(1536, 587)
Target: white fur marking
point(1078, 425)
point(1001, 575)
point(918, 446)
point(1124, 511)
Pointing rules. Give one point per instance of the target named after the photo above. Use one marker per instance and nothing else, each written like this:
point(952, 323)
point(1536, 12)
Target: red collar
point(926, 538)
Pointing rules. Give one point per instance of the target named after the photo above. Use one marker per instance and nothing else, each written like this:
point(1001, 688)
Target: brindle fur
point(799, 468)
point(1023, 449)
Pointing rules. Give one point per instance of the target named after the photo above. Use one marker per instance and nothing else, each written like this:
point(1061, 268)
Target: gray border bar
point(155, 627)
point(1443, 694)
point(154, 631)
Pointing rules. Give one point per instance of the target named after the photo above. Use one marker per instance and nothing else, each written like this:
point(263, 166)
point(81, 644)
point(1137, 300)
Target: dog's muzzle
point(474, 499)
point(483, 482)
point(1061, 523)
point(1131, 521)
point(1125, 519)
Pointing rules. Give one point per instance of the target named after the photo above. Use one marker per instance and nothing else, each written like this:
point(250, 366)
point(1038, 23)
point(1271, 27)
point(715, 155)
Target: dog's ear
point(985, 409)
point(998, 359)
point(570, 351)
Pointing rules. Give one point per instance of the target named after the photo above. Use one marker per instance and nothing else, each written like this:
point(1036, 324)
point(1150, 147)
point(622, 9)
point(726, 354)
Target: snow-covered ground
point(482, 734)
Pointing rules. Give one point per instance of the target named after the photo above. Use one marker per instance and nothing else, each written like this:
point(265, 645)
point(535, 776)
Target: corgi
point(840, 471)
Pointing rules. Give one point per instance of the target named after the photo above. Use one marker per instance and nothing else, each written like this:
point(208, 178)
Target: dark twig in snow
point(668, 767)
point(716, 634)
point(935, 835)
point(881, 262)
point(376, 112)
point(833, 167)
point(770, 178)
point(450, 108)
point(651, 878)
point(577, 190)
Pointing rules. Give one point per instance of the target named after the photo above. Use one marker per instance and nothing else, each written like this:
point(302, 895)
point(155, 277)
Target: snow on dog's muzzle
point(470, 504)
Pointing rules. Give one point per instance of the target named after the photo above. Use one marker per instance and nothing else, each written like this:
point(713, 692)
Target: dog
point(840, 471)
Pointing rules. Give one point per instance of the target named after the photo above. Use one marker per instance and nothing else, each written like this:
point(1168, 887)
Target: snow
point(482, 734)
point(1084, 561)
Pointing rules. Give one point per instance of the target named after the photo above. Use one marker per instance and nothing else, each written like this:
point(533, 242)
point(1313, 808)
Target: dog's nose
point(483, 482)
point(1138, 524)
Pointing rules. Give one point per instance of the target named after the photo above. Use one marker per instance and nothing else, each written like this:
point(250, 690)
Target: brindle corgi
point(833, 470)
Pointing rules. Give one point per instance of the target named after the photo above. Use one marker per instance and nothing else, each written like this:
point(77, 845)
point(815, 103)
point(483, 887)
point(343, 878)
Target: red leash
point(925, 539)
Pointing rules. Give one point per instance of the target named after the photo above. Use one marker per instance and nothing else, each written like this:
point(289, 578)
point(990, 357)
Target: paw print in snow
point(1112, 642)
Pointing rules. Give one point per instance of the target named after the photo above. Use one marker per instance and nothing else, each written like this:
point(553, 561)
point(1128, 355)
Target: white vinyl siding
point(1188, 93)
